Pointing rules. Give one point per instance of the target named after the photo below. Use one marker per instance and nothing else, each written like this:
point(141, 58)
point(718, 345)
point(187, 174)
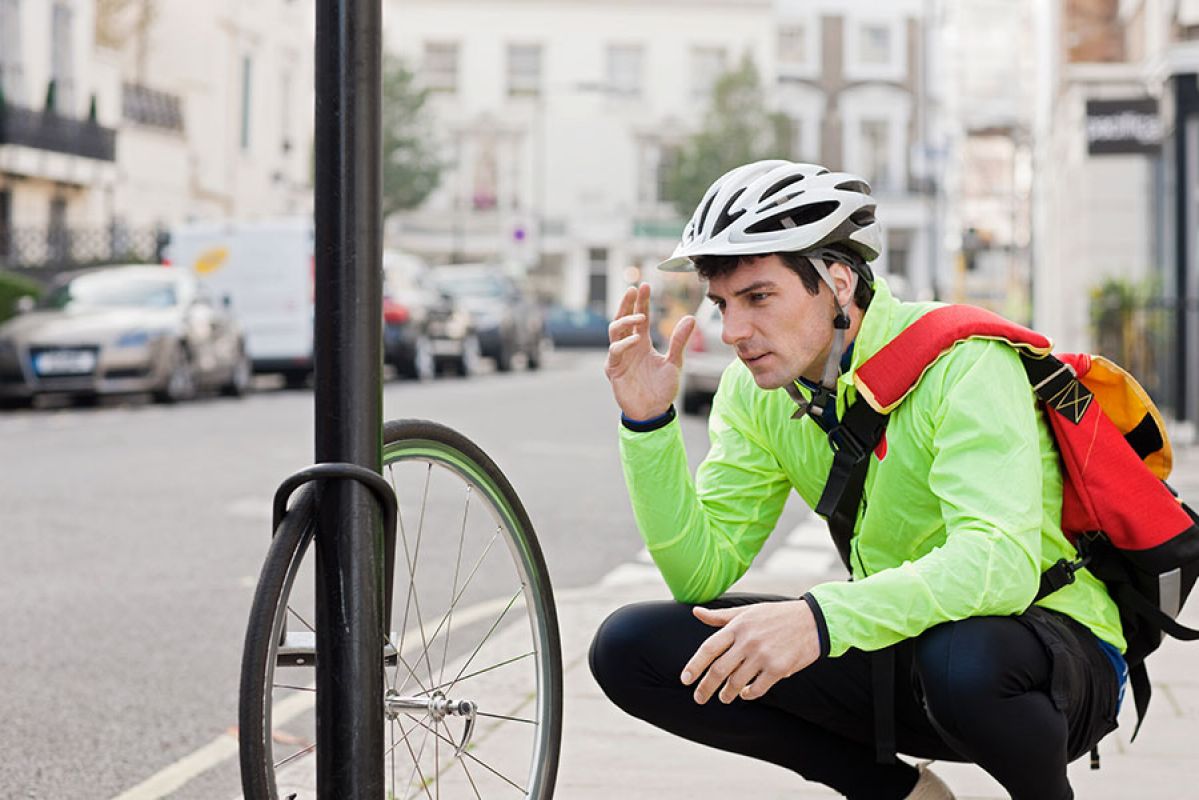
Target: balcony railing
point(47, 130)
point(50, 249)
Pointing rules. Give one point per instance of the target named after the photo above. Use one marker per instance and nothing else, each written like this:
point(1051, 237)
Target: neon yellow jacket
point(960, 517)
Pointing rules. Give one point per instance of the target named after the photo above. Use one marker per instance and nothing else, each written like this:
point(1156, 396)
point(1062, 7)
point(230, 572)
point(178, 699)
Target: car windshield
point(470, 285)
point(113, 291)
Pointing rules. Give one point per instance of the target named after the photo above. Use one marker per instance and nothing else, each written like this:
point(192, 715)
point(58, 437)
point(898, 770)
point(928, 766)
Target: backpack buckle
point(842, 439)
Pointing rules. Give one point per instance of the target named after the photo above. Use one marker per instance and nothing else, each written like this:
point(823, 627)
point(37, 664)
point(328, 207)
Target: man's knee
point(965, 667)
point(621, 653)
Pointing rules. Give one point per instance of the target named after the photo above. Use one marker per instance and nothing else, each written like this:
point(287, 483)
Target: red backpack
point(1129, 528)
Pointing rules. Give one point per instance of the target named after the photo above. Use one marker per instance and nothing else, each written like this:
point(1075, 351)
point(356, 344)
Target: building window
point(439, 68)
point(874, 152)
point(793, 46)
point(285, 126)
point(524, 69)
point(874, 44)
point(58, 243)
point(150, 107)
point(247, 82)
point(624, 69)
point(62, 57)
point(5, 224)
point(707, 66)
point(597, 274)
point(11, 80)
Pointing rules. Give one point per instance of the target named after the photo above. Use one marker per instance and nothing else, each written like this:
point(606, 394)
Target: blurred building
point(1115, 187)
point(556, 117)
point(859, 82)
point(120, 117)
point(58, 120)
point(989, 83)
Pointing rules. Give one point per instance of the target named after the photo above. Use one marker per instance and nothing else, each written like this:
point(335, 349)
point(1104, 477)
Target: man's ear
point(846, 280)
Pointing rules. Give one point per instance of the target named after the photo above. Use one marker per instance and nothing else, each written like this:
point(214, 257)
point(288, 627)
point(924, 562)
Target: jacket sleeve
point(703, 534)
point(986, 477)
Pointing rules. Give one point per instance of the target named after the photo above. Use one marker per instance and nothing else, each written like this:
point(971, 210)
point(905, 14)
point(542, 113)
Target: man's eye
point(758, 297)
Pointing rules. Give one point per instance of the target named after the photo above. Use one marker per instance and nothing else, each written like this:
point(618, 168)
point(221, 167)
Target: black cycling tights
point(984, 682)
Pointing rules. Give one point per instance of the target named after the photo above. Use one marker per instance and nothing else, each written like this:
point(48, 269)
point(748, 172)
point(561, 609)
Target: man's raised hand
point(643, 380)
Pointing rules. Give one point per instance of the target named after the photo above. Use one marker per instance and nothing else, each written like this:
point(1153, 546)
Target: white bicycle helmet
point(779, 206)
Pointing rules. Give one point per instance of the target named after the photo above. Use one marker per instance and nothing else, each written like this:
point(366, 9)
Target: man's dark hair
point(710, 267)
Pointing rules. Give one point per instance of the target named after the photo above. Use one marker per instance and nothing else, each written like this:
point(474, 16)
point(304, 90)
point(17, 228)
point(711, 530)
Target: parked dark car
point(576, 327)
point(123, 329)
point(505, 317)
point(424, 329)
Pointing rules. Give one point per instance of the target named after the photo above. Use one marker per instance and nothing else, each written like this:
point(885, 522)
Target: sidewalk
point(608, 755)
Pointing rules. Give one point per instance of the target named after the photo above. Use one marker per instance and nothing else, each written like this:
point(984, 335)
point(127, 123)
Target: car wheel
point(421, 365)
point(468, 363)
point(14, 403)
point(181, 379)
point(239, 380)
point(533, 358)
point(295, 378)
point(503, 357)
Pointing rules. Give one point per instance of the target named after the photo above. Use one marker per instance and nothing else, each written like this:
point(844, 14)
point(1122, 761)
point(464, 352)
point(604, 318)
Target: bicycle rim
point(472, 620)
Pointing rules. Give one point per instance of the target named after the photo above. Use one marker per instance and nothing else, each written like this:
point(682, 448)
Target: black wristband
point(647, 425)
point(821, 626)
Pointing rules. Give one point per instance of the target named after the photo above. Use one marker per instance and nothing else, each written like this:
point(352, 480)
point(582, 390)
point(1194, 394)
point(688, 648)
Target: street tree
point(738, 127)
point(411, 167)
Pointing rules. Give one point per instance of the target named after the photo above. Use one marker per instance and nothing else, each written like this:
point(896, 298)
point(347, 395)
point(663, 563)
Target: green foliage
point(12, 288)
point(1129, 325)
point(411, 168)
point(737, 129)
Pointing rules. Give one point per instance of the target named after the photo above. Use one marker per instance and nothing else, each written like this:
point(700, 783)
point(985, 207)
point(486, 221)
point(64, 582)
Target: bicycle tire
point(412, 443)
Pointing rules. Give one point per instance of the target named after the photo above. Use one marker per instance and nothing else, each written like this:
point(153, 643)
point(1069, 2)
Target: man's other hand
point(757, 646)
point(643, 380)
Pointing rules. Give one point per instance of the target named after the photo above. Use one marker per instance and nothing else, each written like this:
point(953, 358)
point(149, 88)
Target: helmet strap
point(827, 391)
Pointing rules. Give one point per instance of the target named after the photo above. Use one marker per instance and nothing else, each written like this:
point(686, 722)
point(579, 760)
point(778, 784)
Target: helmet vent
point(796, 218)
point(704, 214)
point(783, 184)
point(725, 218)
point(854, 186)
point(863, 217)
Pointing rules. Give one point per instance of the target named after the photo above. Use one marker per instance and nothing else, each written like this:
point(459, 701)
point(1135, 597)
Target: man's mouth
point(752, 359)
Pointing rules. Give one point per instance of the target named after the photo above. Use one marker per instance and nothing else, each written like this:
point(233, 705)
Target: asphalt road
point(133, 535)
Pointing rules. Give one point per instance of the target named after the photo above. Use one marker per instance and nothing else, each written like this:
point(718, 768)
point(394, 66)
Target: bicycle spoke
point(411, 672)
point(483, 764)
point(476, 673)
point(416, 757)
point(296, 755)
point(297, 688)
point(303, 621)
point(453, 602)
point(486, 636)
point(413, 596)
point(454, 587)
point(509, 719)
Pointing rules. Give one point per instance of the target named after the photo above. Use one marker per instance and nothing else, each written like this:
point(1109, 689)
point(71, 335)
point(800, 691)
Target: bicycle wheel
point(472, 659)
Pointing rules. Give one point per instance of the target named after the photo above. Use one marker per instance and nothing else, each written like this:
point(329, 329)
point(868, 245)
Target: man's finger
point(626, 302)
point(708, 652)
point(641, 303)
point(736, 682)
point(716, 617)
point(678, 340)
point(617, 350)
point(716, 675)
point(760, 686)
point(622, 326)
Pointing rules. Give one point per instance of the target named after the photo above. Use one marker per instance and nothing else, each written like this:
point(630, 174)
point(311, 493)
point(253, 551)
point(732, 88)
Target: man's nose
point(733, 328)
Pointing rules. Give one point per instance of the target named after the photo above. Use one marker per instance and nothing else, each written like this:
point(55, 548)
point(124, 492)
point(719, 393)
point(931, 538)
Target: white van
point(265, 271)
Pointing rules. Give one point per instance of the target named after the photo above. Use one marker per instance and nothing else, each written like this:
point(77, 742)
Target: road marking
point(224, 747)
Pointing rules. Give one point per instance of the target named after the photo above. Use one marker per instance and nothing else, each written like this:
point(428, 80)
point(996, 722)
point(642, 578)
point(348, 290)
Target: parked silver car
point(123, 329)
point(506, 319)
point(704, 362)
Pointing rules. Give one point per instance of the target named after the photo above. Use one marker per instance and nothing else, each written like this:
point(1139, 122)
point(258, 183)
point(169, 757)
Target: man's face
point(778, 329)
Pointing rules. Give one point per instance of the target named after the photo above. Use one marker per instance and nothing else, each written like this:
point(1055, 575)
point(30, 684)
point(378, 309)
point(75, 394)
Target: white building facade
point(555, 118)
point(120, 121)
